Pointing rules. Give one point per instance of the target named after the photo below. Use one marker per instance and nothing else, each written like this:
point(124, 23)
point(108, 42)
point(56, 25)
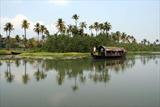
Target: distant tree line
point(73, 38)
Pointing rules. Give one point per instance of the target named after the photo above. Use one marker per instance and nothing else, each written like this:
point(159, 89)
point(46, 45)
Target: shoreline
point(63, 56)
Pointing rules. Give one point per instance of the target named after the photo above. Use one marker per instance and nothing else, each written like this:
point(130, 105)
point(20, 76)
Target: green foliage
point(73, 38)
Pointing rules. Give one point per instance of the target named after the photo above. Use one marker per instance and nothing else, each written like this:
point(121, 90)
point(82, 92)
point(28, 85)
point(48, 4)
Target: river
point(130, 82)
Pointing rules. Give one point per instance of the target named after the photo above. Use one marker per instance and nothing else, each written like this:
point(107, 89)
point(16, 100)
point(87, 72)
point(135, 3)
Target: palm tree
point(17, 38)
point(123, 37)
point(42, 29)
point(156, 41)
point(118, 35)
point(144, 41)
point(8, 27)
point(101, 28)
point(5, 29)
point(75, 17)
point(69, 29)
point(37, 29)
point(46, 32)
point(96, 27)
point(90, 28)
point(25, 26)
point(107, 26)
point(60, 26)
point(82, 26)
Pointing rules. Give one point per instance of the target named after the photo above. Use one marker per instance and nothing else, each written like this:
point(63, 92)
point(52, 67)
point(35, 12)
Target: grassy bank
point(73, 55)
point(50, 55)
point(69, 55)
point(5, 52)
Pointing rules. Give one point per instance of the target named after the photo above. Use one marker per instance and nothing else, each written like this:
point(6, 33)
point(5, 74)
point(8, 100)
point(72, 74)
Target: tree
point(144, 41)
point(69, 29)
point(8, 27)
point(96, 27)
point(25, 26)
point(17, 38)
point(91, 27)
point(75, 17)
point(156, 41)
point(6, 30)
point(42, 29)
point(123, 37)
point(118, 36)
point(101, 28)
point(61, 26)
point(37, 29)
point(46, 32)
point(82, 26)
point(107, 26)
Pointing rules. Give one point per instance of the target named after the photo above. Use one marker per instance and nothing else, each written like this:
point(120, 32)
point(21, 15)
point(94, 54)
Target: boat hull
point(107, 57)
point(15, 53)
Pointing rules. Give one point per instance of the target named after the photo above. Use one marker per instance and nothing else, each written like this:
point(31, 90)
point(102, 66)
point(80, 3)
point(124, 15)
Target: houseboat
point(108, 52)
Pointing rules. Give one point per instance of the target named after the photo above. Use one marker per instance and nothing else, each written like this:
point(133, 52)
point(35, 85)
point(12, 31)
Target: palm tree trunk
point(9, 40)
point(96, 32)
point(76, 23)
point(24, 39)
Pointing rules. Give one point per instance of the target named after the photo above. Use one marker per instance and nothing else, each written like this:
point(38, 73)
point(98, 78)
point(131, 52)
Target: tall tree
point(91, 28)
point(82, 26)
point(101, 28)
point(75, 17)
point(25, 26)
point(124, 37)
point(8, 28)
point(60, 26)
point(96, 27)
point(42, 29)
point(37, 29)
point(107, 27)
point(69, 29)
point(118, 35)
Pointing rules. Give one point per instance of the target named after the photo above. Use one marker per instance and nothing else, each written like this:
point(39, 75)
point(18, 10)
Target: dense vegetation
point(73, 38)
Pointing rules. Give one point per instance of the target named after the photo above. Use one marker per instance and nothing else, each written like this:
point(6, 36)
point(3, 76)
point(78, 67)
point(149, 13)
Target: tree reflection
point(98, 70)
point(25, 76)
point(17, 62)
point(8, 75)
point(40, 75)
point(146, 58)
point(79, 70)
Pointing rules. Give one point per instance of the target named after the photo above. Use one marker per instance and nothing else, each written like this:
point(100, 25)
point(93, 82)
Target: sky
point(140, 18)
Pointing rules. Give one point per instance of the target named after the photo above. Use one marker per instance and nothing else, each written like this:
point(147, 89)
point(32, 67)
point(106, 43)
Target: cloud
point(60, 2)
point(17, 21)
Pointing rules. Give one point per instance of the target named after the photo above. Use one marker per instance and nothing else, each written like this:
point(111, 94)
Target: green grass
point(50, 55)
point(5, 52)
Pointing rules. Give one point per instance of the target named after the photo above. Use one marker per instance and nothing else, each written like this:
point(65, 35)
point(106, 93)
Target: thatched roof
point(113, 48)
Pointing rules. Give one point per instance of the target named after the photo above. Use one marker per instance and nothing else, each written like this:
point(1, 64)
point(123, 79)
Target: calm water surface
point(130, 82)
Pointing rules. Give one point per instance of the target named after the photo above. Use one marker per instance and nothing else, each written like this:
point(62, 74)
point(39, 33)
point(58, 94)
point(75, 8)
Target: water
point(130, 82)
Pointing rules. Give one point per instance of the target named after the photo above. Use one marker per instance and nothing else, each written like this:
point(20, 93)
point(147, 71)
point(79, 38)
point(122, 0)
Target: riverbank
point(50, 55)
point(45, 55)
point(5, 52)
point(68, 55)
